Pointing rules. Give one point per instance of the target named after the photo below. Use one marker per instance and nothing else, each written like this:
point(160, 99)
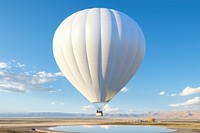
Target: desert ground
point(30, 125)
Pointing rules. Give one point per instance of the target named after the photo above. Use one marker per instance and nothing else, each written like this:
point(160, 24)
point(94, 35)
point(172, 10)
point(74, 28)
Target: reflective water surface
point(111, 129)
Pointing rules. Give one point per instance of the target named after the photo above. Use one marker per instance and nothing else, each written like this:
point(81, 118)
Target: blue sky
point(168, 78)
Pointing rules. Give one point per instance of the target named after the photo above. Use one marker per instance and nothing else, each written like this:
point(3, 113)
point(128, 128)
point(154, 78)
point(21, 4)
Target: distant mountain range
point(159, 115)
point(175, 114)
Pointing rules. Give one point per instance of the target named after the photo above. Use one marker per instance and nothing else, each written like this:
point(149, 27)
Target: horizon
point(182, 115)
point(167, 80)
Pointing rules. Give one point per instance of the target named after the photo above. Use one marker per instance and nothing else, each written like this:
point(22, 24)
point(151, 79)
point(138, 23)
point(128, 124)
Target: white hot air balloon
point(98, 50)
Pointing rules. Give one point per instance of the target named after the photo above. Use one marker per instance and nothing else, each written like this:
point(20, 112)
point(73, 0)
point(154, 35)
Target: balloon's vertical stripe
point(60, 35)
point(107, 43)
point(111, 73)
point(93, 39)
point(79, 52)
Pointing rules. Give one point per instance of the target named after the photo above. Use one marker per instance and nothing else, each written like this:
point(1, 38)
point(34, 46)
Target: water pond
point(111, 129)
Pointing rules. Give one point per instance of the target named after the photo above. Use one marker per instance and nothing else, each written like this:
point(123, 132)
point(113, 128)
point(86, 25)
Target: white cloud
point(52, 91)
point(173, 95)
point(88, 107)
point(5, 91)
point(124, 89)
point(13, 86)
point(189, 91)
point(2, 73)
point(20, 65)
point(162, 93)
point(58, 74)
point(15, 79)
point(4, 65)
point(108, 109)
point(52, 103)
point(44, 77)
point(19, 82)
point(190, 102)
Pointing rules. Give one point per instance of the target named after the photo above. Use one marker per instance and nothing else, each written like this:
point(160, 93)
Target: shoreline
point(39, 125)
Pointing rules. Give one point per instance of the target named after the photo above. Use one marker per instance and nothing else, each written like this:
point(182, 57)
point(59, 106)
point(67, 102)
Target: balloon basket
point(99, 112)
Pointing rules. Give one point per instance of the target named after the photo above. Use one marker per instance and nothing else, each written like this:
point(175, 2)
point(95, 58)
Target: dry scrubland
point(24, 125)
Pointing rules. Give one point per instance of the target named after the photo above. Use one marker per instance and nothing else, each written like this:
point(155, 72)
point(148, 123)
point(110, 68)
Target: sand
point(185, 131)
point(31, 125)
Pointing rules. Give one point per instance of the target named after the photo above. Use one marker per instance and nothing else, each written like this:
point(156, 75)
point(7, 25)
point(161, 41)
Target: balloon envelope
point(98, 50)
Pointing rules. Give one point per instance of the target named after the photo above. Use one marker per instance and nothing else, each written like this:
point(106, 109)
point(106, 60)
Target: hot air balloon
point(98, 50)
